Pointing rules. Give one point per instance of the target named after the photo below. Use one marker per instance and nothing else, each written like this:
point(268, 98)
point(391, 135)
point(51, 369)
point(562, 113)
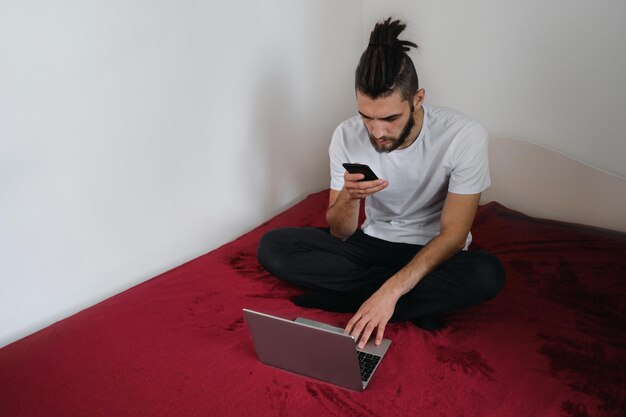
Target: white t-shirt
point(449, 155)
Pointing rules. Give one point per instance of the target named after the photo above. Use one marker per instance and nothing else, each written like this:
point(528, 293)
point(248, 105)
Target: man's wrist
point(347, 198)
point(345, 204)
point(393, 289)
point(400, 283)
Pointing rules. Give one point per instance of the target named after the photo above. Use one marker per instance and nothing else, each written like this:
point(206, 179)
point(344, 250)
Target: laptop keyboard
point(367, 363)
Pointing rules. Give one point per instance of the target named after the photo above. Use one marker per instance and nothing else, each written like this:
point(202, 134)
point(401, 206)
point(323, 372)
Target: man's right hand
point(357, 189)
point(343, 206)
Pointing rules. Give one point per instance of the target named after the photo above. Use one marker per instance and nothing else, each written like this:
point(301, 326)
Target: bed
point(552, 344)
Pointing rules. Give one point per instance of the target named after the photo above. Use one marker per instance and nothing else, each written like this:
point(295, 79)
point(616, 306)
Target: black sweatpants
point(355, 268)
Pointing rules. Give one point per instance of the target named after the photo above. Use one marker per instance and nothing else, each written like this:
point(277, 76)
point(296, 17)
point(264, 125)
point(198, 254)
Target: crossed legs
point(343, 274)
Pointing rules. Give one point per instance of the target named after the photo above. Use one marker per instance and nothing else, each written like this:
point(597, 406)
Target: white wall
point(551, 72)
point(135, 136)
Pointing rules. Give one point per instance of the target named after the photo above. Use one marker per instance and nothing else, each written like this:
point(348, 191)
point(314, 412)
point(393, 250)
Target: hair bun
point(385, 66)
point(385, 34)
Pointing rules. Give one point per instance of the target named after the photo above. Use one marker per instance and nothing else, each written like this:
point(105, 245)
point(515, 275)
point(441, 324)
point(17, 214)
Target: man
point(409, 259)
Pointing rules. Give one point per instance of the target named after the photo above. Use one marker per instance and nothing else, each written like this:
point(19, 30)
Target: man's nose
point(378, 130)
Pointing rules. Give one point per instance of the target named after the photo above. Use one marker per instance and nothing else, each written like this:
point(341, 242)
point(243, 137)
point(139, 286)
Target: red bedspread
point(552, 344)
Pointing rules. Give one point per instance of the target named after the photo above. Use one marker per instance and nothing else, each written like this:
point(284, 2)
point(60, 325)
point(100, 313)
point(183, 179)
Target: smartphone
point(361, 169)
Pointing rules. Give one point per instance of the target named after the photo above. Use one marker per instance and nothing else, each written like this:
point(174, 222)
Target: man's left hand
point(374, 314)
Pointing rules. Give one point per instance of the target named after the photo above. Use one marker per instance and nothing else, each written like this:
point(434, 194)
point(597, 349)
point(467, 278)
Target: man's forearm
point(343, 216)
point(436, 252)
point(456, 221)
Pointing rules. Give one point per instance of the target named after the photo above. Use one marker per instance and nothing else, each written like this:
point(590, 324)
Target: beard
point(395, 142)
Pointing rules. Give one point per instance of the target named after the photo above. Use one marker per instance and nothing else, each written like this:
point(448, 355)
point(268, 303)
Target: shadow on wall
point(305, 89)
point(276, 178)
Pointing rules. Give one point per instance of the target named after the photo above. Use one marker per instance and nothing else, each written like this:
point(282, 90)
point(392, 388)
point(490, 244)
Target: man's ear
point(418, 98)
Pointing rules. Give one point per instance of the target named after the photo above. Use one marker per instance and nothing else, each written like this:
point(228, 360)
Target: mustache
point(383, 138)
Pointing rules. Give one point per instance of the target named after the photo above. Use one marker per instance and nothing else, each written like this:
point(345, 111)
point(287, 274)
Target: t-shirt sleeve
point(338, 155)
point(470, 161)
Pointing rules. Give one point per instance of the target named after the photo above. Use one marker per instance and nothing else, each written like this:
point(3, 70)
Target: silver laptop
point(314, 349)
